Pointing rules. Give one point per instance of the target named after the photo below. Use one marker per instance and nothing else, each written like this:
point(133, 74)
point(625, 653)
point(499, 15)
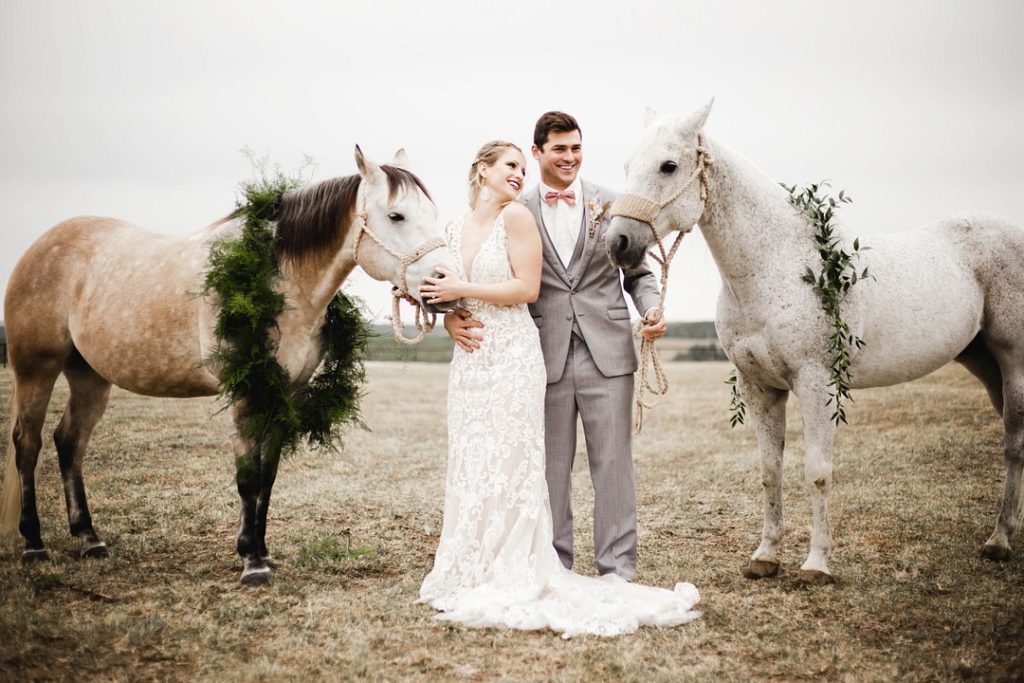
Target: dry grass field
point(918, 476)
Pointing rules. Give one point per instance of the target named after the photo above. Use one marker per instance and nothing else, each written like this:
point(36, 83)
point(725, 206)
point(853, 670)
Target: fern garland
point(244, 273)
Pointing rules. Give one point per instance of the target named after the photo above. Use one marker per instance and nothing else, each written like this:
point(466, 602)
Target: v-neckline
point(483, 243)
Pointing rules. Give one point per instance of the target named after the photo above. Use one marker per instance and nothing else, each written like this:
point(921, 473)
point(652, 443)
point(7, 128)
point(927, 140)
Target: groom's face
point(559, 158)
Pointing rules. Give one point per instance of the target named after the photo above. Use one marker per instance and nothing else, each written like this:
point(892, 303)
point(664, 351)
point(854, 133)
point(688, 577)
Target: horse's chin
point(440, 308)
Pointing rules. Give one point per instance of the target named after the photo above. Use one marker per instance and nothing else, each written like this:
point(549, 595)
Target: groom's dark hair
point(557, 121)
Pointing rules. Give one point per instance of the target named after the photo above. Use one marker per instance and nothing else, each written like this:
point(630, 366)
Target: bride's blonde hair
point(487, 156)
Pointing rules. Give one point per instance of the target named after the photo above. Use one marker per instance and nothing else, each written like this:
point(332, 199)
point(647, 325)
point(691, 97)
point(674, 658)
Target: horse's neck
point(311, 282)
point(748, 223)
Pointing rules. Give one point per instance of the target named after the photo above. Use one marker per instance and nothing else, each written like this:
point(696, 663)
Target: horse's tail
point(10, 497)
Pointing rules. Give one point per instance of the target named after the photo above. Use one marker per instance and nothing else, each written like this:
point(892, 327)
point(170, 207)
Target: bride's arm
point(524, 255)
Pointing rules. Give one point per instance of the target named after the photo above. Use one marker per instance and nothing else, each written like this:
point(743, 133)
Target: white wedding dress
point(495, 564)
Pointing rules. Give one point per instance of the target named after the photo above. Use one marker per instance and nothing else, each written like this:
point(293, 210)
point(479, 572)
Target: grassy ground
point(918, 478)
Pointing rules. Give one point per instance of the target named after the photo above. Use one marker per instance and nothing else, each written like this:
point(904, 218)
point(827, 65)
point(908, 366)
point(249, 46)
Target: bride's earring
point(485, 192)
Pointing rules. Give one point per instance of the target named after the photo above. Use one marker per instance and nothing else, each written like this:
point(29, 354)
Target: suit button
point(569, 316)
point(572, 292)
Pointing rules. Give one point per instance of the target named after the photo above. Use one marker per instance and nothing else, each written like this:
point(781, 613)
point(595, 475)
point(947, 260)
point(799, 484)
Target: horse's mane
point(310, 220)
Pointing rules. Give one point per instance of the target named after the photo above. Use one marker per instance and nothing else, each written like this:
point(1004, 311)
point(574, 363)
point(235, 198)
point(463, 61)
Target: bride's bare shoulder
point(518, 216)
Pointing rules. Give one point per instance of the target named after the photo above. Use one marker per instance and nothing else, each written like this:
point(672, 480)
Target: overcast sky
point(138, 110)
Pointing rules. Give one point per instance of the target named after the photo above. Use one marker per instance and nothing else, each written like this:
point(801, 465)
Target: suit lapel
point(590, 242)
point(550, 254)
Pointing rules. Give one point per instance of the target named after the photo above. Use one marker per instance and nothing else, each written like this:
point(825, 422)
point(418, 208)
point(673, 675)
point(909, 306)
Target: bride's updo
point(487, 156)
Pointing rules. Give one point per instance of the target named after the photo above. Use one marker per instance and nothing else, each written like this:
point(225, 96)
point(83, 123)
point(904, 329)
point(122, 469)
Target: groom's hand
point(459, 324)
point(654, 325)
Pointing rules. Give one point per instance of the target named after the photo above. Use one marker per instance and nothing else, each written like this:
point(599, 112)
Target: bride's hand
point(442, 289)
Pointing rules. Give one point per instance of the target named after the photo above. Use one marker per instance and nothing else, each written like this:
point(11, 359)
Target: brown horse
point(105, 302)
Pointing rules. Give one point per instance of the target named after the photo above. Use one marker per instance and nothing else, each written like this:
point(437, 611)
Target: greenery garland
point(737, 408)
point(244, 273)
point(832, 283)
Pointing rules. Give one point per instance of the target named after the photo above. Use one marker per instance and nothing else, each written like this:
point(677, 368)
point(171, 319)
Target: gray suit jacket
point(587, 296)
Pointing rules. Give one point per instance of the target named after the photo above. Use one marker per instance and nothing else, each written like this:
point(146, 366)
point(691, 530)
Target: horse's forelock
point(399, 178)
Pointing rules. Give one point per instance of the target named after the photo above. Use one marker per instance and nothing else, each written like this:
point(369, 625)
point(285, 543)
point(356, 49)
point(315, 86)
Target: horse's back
point(934, 289)
point(40, 291)
point(126, 299)
point(993, 249)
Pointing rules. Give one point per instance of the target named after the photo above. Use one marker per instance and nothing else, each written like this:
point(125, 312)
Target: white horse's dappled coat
point(953, 290)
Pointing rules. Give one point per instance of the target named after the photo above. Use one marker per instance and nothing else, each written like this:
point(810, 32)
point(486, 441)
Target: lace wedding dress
point(495, 563)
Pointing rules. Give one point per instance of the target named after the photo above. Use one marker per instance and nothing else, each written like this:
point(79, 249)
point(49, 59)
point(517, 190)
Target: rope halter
point(646, 211)
point(424, 321)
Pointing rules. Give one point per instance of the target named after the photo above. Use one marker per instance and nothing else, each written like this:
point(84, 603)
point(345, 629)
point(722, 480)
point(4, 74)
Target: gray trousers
point(605, 404)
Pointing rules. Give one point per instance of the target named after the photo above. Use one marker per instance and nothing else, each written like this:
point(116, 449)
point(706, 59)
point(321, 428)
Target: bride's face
point(505, 178)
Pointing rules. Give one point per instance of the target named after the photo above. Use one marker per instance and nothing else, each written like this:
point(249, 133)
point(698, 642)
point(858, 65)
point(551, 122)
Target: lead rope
point(642, 209)
point(424, 321)
point(650, 359)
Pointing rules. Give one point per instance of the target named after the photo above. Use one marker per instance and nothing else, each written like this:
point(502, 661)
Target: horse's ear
point(366, 167)
point(649, 116)
point(698, 118)
point(401, 159)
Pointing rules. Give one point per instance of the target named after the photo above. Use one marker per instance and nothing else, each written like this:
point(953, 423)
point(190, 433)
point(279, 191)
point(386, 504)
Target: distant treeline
point(700, 330)
point(437, 347)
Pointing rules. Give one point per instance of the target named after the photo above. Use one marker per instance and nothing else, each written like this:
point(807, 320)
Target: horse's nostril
point(621, 245)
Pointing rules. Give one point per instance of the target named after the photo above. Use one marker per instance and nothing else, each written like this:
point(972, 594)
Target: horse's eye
point(396, 216)
point(669, 167)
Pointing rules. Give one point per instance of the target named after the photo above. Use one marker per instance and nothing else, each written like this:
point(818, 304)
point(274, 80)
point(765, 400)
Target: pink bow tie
point(569, 196)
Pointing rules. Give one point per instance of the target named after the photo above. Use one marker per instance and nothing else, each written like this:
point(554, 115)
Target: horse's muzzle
point(626, 242)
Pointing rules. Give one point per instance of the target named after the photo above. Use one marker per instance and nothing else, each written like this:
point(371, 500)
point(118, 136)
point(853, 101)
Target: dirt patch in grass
point(917, 482)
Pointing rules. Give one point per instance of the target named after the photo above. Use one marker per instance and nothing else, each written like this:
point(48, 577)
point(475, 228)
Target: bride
point(495, 563)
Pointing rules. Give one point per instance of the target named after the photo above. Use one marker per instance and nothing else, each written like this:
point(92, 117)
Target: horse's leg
point(255, 571)
point(268, 471)
point(812, 389)
point(980, 362)
point(31, 394)
point(89, 394)
point(998, 545)
point(767, 409)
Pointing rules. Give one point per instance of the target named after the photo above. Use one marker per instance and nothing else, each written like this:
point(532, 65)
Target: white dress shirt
point(563, 221)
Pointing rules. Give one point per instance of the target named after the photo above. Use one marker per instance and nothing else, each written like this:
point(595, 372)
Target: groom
point(585, 336)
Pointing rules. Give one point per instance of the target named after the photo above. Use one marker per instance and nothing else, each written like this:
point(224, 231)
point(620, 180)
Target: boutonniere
point(596, 208)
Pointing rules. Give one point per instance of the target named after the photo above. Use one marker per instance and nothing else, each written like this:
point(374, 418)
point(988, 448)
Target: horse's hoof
point(269, 561)
point(995, 552)
point(258, 576)
point(29, 556)
point(812, 577)
point(760, 569)
point(96, 550)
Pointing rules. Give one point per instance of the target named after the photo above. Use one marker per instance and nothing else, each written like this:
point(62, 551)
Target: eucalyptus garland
point(244, 273)
point(737, 408)
point(832, 283)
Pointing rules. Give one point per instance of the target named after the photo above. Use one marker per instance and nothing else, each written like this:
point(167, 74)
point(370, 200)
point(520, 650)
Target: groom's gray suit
point(585, 335)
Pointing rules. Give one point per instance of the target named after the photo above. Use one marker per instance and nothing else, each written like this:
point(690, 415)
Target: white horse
point(104, 302)
point(953, 290)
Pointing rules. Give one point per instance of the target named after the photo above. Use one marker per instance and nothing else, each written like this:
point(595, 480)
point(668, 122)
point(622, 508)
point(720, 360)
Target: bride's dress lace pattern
point(495, 564)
